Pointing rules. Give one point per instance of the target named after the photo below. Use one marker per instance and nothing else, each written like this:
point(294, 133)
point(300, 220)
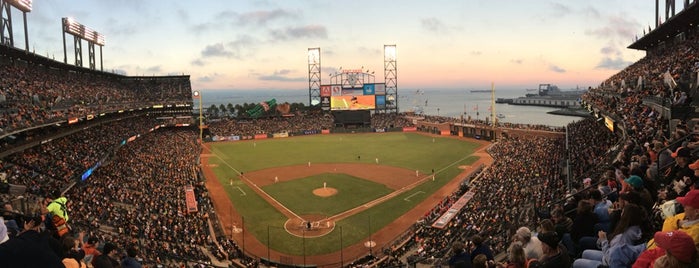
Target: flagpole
point(492, 104)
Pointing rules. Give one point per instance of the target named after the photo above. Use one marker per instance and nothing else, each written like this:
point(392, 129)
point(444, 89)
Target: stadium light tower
point(313, 76)
point(390, 72)
point(81, 32)
point(6, 36)
point(197, 95)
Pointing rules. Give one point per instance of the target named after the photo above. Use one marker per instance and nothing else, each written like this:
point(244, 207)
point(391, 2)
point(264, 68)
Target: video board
point(355, 98)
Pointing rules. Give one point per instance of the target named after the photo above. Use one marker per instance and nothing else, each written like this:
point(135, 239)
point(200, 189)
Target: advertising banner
point(325, 91)
point(409, 129)
point(443, 220)
point(280, 135)
point(260, 136)
point(336, 90)
point(325, 131)
point(380, 102)
point(190, 199)
point(352, 92)
point(352, 103)
point(325, 103)
point(445, 132)
point(368, 89)
point(380, 89)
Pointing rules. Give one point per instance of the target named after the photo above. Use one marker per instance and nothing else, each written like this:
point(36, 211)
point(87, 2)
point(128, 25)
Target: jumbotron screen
point(352, 99)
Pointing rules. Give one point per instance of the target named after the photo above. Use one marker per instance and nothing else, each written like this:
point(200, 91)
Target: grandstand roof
point(681, 22)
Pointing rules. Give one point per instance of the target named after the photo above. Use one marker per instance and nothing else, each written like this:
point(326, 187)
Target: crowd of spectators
point(249, 127)
point(509, 191)
point(617, 202)
point(625, 200)
point(33, 94)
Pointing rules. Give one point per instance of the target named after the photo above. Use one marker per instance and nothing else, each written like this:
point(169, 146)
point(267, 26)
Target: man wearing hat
point(555, 255)
point(695, 167)
point(688, 221)
point(636, 185)
point(676, 245)
point(681, 168)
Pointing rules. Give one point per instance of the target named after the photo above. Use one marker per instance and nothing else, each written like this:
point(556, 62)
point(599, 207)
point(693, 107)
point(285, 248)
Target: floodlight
point(23, 5)
point(389, 52)
point(313, 55)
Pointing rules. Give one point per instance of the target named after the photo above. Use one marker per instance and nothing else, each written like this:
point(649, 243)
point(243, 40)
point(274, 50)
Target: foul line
point(259, 190)
point(417, 193)
point(241, 191)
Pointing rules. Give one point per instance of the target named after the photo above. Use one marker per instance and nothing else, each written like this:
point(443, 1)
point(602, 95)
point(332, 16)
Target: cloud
point(122, 27)
point(556, 69)
point(608, 50)
point(476, 53)
point(182, 14)
point(216, 50)
point(205, 79)
point(370, 51)
point(154, 69)
point(616, 63)
point(560, 10)
point(240, 43)
point(433, 25)
point(198, 62)
point(517, 61)
point(281, 76)
point(262, 17)
point(328, 70)
point(308, 31)
point(616, 27)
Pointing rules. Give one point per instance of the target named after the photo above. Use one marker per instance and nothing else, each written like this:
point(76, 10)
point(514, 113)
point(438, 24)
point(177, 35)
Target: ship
point(548, 95)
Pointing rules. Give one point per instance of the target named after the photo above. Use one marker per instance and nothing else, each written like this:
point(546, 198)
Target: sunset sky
point(440, 44)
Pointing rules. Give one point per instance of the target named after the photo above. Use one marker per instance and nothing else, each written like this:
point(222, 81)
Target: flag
point(475, 108)
point(667, 78)
point(639, 84)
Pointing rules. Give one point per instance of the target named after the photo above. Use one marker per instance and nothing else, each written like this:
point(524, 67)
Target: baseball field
point(317, 195)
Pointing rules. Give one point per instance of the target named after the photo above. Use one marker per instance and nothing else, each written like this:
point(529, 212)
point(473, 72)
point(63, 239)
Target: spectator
point(627, 233)
point(675, 249)
point(110, 258)
point(532, 245)
point(58, 214)
point(130, 260)
point(516, 257)
point(91, 250)
point(461, 258)
point(481, 247)
point(30, 248)
point(554, 253)
point(72, 254)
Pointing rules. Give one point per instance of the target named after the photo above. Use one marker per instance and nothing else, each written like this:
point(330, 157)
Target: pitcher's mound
point(325, 192)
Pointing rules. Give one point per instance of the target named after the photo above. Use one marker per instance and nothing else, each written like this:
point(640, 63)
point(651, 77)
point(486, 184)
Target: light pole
point(197, 95)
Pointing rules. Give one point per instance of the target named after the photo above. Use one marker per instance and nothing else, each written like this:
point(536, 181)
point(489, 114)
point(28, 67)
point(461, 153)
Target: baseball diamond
point(313, 204)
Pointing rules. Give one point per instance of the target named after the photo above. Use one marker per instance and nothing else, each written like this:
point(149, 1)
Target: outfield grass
point(297, 195)
point(408, 150)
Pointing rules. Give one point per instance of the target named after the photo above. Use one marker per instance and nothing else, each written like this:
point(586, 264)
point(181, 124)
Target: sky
point(263, 44)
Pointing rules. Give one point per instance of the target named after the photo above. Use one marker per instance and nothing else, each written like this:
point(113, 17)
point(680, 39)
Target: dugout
point(352, 119)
